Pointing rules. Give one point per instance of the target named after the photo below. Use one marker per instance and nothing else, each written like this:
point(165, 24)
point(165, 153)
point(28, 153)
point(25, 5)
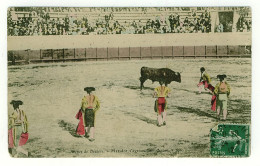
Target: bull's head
point(177, 77)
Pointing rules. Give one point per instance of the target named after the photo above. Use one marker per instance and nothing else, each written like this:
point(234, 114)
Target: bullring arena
point(49, 72)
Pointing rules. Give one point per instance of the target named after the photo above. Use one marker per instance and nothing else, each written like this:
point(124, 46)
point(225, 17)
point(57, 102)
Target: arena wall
point(127, 40)
point(37, 49)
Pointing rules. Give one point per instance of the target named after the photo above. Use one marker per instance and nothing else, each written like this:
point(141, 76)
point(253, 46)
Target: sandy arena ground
point(126, 122)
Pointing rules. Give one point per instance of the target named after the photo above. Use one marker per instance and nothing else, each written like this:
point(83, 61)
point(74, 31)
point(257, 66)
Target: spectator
point(220, 27)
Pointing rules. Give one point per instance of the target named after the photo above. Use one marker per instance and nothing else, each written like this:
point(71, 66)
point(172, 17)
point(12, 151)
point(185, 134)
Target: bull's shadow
point(71, 128)
point(138, 87)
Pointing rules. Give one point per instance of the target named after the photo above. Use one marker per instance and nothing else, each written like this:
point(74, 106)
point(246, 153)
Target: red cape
point(213, 99)
point(80, 128)
point(23, 139)
point(213, 102)
point(10, 139)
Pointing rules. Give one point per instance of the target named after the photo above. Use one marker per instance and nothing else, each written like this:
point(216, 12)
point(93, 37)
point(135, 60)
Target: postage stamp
point(230, 140)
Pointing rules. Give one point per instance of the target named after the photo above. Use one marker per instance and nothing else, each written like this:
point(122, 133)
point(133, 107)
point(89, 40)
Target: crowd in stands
point(103, 9)
point(40, 21)
point(243, 25)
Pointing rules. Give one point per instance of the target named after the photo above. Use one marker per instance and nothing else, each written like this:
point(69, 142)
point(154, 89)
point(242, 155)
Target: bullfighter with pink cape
point(17, 129)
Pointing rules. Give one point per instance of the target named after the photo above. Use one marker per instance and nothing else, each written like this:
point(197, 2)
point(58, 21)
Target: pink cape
point(80, 128)
point(23, 139)
point(213, 102)
point(213, 99)
point(10, 139)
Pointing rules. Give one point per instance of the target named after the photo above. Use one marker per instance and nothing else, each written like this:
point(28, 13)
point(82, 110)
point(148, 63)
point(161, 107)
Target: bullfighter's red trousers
point(161, 105)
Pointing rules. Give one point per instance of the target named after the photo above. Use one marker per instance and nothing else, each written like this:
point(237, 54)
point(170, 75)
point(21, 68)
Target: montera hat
point(221, 76)
point(89, 89)
point(16, 103)
point(202, 69)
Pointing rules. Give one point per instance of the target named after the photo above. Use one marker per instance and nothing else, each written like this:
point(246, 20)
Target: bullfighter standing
point(89, 106)
point(161, 92)
point(17, 129)
point(222, 91)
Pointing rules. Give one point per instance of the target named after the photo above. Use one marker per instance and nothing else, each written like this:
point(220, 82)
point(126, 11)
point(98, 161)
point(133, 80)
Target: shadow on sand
point(138, 87)
point(32, 140)
point(142, 118)
point(149, 88)
point(240, 105)
point(71, 128)
point(192, 91)
point(196, 111)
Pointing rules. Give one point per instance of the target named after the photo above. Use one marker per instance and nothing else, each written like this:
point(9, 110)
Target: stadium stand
point(34, 21)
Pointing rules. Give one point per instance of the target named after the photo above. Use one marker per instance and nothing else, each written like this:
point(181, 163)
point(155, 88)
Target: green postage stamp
point(230, 140)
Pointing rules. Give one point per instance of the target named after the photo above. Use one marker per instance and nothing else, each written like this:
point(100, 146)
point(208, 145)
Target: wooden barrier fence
point(127, 53)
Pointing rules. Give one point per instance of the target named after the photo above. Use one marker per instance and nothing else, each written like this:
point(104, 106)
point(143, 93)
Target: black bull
point(162, 75)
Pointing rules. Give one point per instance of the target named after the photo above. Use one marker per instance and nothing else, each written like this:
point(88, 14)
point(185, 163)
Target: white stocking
point(164, 116)
point(86, 130)
point(200, 88)
point(159, 119)
point(92, 129)
point(20, 149)
point(225, 114)
point(218, 111)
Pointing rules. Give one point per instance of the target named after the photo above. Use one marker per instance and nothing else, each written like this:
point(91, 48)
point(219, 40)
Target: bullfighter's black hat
point(16, 102)
point(202, 69)
point(221, 76)
point(89, 89)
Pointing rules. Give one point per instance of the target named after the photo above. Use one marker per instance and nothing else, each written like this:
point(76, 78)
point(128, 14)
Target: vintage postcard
point(129, 81)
